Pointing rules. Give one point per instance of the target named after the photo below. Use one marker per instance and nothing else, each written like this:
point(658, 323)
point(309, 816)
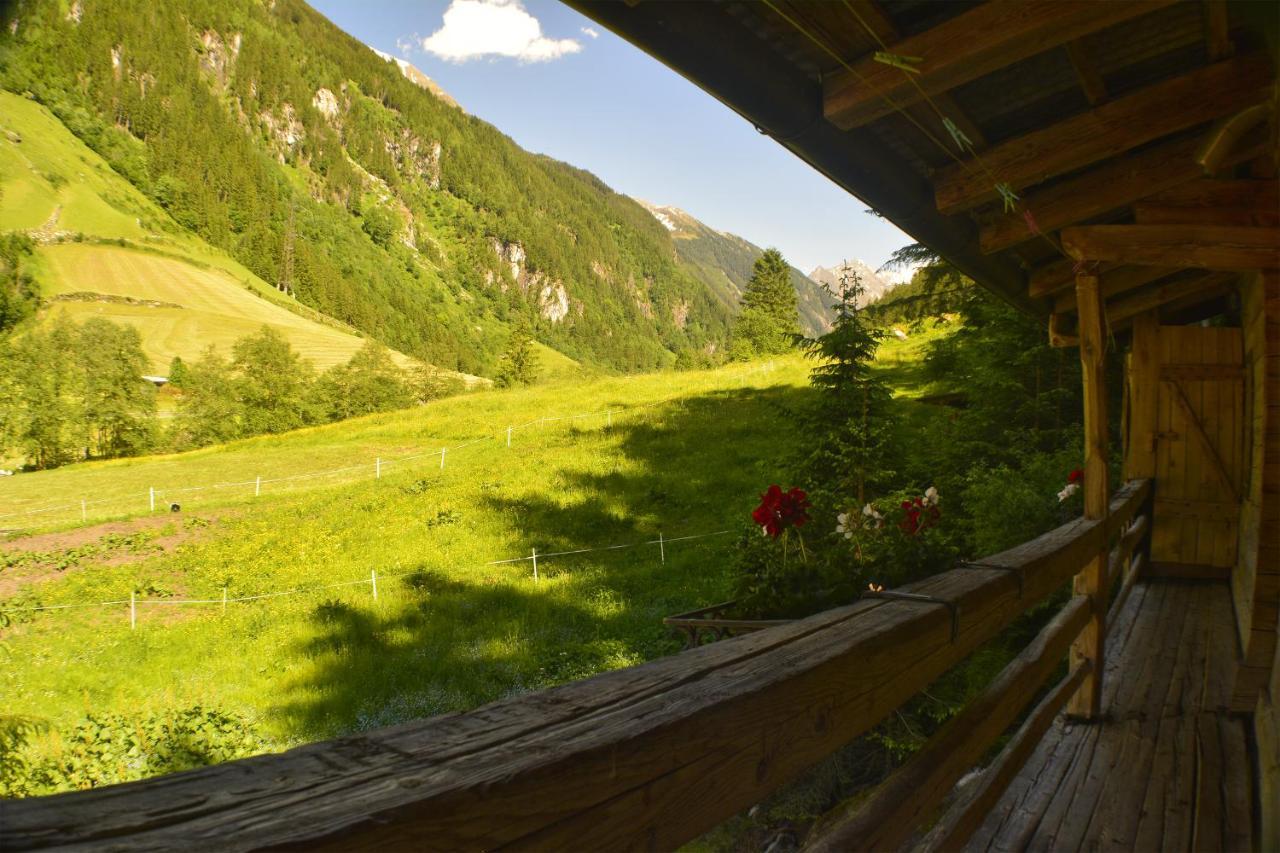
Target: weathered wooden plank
point(900, 804)
point(1091, 82)
point(1091, 645)
point(964, 48)
point(967, 814)
point(1166, 293)
point(1106, 131)
point(1209, 247)
point(598, 763)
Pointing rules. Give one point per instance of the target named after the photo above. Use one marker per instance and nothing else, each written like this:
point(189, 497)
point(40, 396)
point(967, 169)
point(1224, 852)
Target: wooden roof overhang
point(1139, 135)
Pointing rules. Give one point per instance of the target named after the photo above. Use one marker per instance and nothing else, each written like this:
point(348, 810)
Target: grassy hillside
point(56, 188)
point(275, 137)
point(683, 454)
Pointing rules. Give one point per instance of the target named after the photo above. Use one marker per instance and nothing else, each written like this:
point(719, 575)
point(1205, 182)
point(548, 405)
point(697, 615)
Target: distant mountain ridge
point(723, 261)
point(876, 285)
point(412, 73)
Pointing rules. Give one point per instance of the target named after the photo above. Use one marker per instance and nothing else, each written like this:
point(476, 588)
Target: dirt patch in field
point(45, 556)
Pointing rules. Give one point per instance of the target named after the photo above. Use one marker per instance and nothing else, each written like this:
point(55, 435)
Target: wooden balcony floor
point(1168, 769)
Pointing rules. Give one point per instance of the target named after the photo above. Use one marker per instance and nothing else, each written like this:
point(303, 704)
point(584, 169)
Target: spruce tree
point(852, 426)
point(769, 322)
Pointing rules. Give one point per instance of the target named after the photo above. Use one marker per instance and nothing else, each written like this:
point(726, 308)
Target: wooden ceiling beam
point(1217, 34)
point(1114, 283)
point(1114, 184)
point(1095, 88)
point(1208, 202)
point(1173, 291)
point(868, 14)
point(984, 39)
point(1110, 186)
point(1121, 125)
point(1210, 247)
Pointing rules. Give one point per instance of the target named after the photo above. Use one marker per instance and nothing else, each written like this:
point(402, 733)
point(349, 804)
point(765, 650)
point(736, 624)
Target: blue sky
point(599, 103)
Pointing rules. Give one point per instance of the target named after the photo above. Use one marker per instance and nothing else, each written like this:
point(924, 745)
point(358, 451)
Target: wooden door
point(1200, 451)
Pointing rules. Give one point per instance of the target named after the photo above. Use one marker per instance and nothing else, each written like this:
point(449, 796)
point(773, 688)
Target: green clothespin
point(905, 63)
point(957, 135)
point(1009, 196)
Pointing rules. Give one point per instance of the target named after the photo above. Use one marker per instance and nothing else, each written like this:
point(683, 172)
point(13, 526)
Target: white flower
point(931, 496)
point(842, 524)
point(1067, 491)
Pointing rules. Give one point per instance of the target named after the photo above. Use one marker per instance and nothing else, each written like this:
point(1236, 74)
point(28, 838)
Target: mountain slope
point(105, 250)
point(276, 137)
point(723, 261)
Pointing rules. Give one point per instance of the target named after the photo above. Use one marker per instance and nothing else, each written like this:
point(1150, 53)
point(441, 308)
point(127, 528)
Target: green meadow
point(672, 454)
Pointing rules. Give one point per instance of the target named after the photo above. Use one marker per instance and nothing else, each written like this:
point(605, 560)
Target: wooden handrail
point(648, 756)
point(887, 820)
point(966, 815)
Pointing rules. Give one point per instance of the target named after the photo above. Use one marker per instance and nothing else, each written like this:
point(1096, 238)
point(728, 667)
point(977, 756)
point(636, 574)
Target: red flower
point(1075, 476)
point(779, 510)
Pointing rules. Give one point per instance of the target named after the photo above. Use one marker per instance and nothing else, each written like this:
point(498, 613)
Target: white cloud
point(590, 33)
point(405, 45)
point(477, 28)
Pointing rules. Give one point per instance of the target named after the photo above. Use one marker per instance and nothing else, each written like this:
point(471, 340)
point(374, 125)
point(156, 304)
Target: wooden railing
point(650, 756)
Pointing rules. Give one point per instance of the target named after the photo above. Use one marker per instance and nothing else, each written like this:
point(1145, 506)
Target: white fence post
point(257, 486)
point(508, 436)
point(373, 579)
point(535, 565)
point(133, 611)
point(152, 493)
point(662, 548)
point(443, 450)
point(224, 601)
point(377, 468)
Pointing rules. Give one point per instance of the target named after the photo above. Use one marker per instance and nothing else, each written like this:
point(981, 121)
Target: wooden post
point(257, 486)
point(1091, 581)
point(1144, 378)
point(373, 579)
point(535, 565)
point(151, 491)
point(443, 450)
point(662, 549)
point(224, 601)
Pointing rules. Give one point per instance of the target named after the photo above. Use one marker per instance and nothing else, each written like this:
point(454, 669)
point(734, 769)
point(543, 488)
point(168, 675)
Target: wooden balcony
point(654, 755)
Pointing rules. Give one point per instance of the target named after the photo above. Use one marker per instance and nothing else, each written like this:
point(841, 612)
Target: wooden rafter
point(1113, 184)
point(1121, 125)
point(1208, 202)
point(966, 47)
point(1216, 29)
point(869, 13)
point(1199, 246)
point(1115, 282)
point(1095, 88)
point(1168, 293)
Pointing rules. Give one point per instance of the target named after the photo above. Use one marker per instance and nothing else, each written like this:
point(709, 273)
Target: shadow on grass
point(445, 643)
